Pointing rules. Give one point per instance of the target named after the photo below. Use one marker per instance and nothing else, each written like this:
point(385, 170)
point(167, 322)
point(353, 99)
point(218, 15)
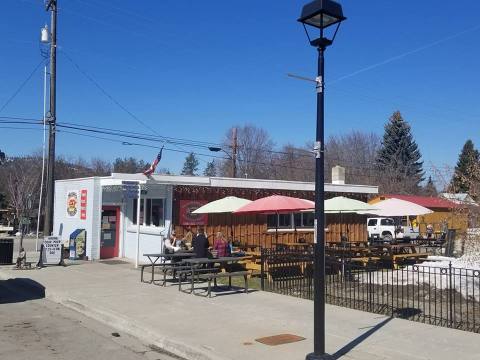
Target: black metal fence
point(444, 295)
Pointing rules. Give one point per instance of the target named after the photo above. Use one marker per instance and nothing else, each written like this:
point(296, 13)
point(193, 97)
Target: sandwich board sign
point(52, 250)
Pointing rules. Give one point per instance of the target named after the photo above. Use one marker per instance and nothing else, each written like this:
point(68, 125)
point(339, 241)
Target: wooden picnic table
point(153, 258)
point(398, 254)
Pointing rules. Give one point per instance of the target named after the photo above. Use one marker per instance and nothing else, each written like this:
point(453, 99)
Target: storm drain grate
point(279, 339)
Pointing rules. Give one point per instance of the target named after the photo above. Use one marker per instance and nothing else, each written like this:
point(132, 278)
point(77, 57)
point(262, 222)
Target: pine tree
point(399, 158)
point(429, 189)
point(465, 174)
point(210, 169)
point(190, 166)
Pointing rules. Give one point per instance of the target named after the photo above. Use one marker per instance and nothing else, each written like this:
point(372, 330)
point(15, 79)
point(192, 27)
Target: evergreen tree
point(210, 169)
point(190, 166)
point(429, 189)
point(465, 174)
point(399, 158)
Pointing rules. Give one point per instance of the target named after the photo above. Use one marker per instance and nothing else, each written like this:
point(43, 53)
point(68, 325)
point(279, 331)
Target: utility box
point(77, 245)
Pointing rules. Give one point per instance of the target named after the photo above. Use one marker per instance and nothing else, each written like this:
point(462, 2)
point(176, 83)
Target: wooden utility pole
point(52, 120)
point(234, 152)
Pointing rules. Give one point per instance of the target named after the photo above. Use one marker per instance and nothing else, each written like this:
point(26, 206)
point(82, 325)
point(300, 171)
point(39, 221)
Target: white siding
point(64, 225)
point(151, 238)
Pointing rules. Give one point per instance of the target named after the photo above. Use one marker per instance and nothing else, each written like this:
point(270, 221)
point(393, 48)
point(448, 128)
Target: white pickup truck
point(384, 229)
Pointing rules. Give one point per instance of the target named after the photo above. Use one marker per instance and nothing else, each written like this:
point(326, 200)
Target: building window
point(285, 221)
point(272, 221)
point(156, 211)
point(304, 220)
point(152, 212)
point(291, 221)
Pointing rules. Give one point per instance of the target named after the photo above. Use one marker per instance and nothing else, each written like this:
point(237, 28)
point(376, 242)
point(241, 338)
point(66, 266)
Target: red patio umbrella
point(275, 204)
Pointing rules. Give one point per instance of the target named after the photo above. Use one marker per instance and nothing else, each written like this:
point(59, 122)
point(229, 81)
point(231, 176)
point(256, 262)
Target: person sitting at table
point(21, 259)
point(170, 243)
point(221, 245)
point(187, 238)
point(200, 244)
point(429, 231)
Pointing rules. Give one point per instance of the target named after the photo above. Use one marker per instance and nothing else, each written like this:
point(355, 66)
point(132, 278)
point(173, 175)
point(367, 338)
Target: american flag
point(155, 162)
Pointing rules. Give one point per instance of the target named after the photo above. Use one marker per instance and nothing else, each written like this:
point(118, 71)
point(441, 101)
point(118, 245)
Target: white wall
point(64, 225)
point(151, 238)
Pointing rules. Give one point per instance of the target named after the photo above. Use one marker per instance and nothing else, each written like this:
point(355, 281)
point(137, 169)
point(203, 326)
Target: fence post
point(369, 270)
point(262, 268)
point(450, 293)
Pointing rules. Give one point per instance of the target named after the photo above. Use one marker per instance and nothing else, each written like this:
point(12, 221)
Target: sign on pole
point(130, 189)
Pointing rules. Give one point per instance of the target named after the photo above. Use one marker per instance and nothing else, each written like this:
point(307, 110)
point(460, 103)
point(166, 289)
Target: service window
point(152, 212)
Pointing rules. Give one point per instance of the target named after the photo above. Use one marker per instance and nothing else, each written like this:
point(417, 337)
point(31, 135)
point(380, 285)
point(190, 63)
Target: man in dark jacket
point(200, 244)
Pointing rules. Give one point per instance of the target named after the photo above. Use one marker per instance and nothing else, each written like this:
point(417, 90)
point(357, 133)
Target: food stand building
point(121, 221)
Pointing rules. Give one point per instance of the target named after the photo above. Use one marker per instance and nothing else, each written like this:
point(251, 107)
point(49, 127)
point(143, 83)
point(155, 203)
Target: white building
point(106, 208)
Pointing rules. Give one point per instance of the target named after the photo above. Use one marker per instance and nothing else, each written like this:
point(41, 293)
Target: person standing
point(200, 244)
point(221, 245)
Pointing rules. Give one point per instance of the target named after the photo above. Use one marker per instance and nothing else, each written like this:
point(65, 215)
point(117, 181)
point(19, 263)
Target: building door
point(109, 233)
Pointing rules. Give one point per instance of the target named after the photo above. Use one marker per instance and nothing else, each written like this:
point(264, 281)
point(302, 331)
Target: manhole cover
point(113, 262)
point(279, 339)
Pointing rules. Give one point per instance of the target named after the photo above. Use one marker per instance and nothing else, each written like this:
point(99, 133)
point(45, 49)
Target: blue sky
point(191, 69)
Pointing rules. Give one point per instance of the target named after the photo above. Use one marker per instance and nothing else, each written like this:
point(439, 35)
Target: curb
point(123, 324)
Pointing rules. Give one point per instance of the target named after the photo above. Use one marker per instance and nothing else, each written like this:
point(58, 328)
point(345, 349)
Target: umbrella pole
point(276, 231)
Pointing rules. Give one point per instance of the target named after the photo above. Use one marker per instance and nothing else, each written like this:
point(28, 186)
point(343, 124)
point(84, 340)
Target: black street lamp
point(320, 14)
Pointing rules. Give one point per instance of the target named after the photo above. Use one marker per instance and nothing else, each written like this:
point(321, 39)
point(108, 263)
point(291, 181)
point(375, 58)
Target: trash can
point(6, 251)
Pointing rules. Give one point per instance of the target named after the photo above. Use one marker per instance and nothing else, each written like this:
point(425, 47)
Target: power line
point(22, 85)
point(94, 82)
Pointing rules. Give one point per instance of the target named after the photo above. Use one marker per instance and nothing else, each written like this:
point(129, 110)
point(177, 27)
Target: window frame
point(146, 212)
point(293, 221)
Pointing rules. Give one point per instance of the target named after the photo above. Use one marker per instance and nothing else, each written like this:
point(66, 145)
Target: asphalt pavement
point(33, 327)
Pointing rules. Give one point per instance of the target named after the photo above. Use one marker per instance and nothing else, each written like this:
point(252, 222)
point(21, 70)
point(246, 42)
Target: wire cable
point(22, 85)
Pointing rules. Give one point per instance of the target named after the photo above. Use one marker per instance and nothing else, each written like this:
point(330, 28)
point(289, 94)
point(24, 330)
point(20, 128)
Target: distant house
point(460, 198)
point(444, 210)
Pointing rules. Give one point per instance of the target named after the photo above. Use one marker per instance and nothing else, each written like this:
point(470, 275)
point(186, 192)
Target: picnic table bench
point(206, 267)
point(154, 258)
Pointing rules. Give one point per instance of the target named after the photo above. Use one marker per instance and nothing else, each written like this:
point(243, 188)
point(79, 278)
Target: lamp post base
point(313, 356)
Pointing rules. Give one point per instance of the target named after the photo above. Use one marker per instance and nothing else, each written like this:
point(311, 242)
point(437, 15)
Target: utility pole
point(234, 152)
point(52, 119)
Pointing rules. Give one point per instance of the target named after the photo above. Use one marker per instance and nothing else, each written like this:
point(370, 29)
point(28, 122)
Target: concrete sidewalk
point(225, 327)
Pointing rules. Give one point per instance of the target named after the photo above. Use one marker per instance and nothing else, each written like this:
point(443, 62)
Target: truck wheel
point(387, 237)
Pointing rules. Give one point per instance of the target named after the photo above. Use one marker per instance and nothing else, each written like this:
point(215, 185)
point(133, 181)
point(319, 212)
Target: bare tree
point(254, 153)
point(22, 183)
point(294, 163)
point(356, 152)
point(100, 167)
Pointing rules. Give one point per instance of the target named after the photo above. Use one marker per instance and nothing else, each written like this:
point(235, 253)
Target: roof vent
point(338, 175)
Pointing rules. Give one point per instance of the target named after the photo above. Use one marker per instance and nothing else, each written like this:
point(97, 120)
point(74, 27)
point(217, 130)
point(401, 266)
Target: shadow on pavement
point(20, 290)
point(352, 344)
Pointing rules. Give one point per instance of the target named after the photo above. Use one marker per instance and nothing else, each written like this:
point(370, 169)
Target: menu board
point(52, 250)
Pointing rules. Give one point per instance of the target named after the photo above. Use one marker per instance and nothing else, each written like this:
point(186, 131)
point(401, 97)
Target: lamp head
point(321, 14)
